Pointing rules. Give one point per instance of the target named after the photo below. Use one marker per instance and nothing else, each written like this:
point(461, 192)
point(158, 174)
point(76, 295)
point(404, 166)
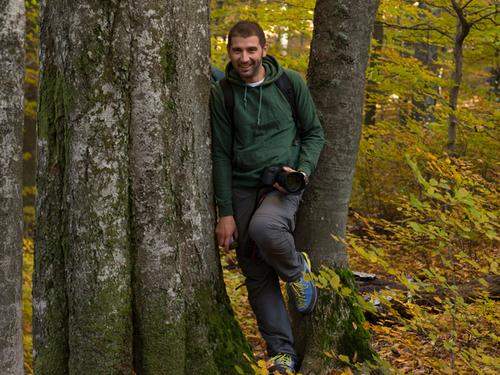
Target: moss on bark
point(168, 62)
point(56, 102)
point(50, 329)
point(204, 339)
point(226, 345)
point(342, 318)
point(159, 339)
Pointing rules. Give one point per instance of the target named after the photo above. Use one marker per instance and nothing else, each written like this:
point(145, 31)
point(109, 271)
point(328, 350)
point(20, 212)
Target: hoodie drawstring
point(260, 105)
point(260, 102)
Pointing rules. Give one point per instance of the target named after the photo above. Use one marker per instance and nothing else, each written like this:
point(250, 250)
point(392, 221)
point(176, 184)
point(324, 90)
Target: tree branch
point(445, 8)
point(467, 4)
point(459, 12)
point(419, 27)
point(483, 17)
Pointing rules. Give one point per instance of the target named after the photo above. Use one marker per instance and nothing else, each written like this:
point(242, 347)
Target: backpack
point(285, 86)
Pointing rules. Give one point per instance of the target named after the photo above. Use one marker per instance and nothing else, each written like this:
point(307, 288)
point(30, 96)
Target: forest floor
point(406, 351)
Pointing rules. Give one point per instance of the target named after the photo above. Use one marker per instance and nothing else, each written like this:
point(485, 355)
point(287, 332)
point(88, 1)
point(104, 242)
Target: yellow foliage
point(28, 252)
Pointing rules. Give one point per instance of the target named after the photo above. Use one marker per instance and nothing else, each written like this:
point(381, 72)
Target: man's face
point(246, 57)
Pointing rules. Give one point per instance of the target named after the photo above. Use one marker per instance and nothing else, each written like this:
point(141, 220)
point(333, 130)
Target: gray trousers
point(267, 251)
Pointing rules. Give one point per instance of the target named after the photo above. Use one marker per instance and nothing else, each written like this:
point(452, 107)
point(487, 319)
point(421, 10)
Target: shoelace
point(282, 359)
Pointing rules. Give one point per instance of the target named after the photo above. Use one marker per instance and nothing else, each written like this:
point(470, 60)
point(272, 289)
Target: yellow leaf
point(344, 358)
point(328, 354)
point(483, 282)
point(261, 363)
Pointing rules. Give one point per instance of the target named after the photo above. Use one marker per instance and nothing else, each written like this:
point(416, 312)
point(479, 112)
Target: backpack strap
point(227, 90)
point(286, 87)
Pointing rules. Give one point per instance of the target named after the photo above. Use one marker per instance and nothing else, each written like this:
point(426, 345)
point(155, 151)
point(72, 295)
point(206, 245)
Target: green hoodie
point(264, 132)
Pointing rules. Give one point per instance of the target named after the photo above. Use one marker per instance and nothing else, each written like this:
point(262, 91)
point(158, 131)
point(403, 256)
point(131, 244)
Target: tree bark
point(127, 274)
point(82, 284)
point(12, 29)
point(338, 60)
point(182, 321)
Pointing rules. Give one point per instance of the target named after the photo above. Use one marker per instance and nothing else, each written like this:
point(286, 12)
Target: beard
point(250, 70)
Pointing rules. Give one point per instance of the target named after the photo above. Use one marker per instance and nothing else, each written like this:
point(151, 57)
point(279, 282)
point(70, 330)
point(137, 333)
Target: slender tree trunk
point(339, 56)
point(126, 271)
point(427, 54)
point(423, 107)
point(462, 30)
point(371, 104)
point(12, 28)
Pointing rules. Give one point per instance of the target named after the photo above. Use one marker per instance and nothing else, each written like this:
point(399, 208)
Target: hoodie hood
point(272, 67)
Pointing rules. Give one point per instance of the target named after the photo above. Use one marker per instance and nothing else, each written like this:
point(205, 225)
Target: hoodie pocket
point(266, 128)
point(253, 160)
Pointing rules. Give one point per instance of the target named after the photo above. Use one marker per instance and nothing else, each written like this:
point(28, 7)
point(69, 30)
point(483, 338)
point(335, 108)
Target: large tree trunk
point(182, 322)
point(12, 27)
point(126, 271)
point(339, 56)
point(82, 284)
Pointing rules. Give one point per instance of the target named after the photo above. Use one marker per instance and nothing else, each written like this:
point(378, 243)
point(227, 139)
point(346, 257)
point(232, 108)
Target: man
point(261, 132)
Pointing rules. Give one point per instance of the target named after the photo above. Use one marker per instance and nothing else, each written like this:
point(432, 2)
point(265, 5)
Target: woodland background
point(423, 213)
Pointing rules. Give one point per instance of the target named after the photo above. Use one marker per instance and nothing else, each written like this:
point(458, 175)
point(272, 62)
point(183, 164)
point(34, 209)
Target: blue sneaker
point(303, 291)
point(282, 363)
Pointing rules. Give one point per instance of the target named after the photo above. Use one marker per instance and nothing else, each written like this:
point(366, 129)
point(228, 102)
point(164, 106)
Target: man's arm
point(222, 143)
point(312, 137)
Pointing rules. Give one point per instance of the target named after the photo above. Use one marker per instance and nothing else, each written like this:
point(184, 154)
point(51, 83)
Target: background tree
point(126, 269)
point(336, 76)
point(12, 26)
point(30, 104)
point(439, 17)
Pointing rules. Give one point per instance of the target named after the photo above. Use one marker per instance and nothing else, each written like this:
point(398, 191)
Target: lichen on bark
point(12, 30)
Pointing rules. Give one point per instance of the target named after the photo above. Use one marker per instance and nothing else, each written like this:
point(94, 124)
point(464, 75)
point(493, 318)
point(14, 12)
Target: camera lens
point(293, 182)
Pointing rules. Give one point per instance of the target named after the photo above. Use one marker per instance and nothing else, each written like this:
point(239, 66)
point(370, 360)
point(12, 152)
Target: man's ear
point(264, 50)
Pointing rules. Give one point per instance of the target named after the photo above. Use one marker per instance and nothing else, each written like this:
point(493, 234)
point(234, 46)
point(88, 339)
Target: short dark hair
point(247, 29)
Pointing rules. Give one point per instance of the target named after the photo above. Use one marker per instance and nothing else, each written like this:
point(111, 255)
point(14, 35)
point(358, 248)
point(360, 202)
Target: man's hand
point(286, 169)
point(226, 231)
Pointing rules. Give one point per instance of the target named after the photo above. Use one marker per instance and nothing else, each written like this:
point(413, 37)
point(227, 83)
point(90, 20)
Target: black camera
point(292, 182)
